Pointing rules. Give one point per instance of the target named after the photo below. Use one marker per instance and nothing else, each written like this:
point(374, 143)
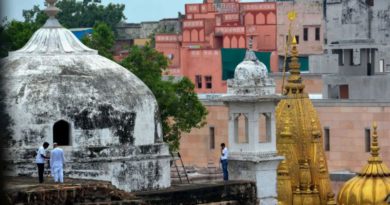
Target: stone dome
point(103, 116)
point(250, 68)
point(54, 78)
point(250, 78)
point(372, 183)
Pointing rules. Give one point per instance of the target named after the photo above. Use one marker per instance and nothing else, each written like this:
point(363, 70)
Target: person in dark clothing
point(40, 160)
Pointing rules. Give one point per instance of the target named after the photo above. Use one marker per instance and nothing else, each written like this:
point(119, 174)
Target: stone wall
point(346, 120)
point(24, 190)
point(359, 87)
point(130, 168)
point(145, 29)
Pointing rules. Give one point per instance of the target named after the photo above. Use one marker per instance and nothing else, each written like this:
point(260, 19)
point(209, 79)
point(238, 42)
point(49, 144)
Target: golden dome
point(303, 176)
point(371, 185)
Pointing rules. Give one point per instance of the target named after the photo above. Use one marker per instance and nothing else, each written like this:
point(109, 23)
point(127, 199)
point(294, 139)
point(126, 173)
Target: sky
point(136, 10)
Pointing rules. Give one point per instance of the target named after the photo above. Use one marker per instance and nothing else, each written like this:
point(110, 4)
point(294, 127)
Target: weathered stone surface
point(114, 132)
point(241, 192)
point(24, 190)
point(251, 78)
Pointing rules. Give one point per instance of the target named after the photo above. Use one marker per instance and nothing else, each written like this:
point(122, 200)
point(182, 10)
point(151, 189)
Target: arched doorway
point(61, 133)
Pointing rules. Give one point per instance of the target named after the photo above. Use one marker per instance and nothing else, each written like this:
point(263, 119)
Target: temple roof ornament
point(299, 139)
point(52, 12)
point(372, 183)
point(53, 39)
point(251, 77)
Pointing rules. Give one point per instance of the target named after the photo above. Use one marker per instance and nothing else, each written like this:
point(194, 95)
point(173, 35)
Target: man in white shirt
point(224, 161)
point(40, 160)
point(57, 161)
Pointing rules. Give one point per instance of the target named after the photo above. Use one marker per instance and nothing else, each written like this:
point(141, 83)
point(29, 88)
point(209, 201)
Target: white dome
point(251, 68)
point(55, 77)
point(103, 116)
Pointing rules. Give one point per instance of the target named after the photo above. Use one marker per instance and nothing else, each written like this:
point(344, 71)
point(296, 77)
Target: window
point(367, 139)
point(241, 128)
point(344, 91)
point(381, 65)
point(350, 56)
point(305, 34)
point(212, 137)
point(297, 38)
point(318, 34)
point(341, 56)
point(209, 83)
point(61, 133)
point(265, 127)
point(326, 139)
point(198, 81)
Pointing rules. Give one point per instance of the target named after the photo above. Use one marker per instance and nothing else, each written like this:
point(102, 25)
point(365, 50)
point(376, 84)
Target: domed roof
point(55, 77)
point(372, 183)
point(250, 68)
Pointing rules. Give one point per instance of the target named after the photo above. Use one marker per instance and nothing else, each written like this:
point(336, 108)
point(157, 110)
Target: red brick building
point(213, 40)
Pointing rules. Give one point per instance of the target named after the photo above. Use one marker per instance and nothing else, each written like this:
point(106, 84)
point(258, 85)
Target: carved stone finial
point(52, 11)
point(250, 43)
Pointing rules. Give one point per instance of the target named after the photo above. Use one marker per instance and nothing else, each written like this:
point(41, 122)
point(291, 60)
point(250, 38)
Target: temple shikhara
point(303, 176)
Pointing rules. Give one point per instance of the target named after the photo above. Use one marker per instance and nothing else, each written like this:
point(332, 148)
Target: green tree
point(180, 108)
point(14, 35)
point(102, 39)
point(35, 15)
point(80, 14)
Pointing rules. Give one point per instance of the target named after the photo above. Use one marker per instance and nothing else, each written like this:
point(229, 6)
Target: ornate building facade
point(213, 40)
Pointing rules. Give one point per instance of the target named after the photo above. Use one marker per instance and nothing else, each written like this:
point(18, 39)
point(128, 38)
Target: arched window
point(61, 133)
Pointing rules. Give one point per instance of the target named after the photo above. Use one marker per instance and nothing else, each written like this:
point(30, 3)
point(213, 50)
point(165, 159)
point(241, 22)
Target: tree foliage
point(180, 108)
point(75, 14)
point(102, 39)
point(80, 14)
point(14, 35)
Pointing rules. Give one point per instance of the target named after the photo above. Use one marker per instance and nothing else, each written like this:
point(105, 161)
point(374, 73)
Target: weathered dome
point(104, 117)
point(55, 77)
point(250, 78)
point(372, 183)
point(251, 68)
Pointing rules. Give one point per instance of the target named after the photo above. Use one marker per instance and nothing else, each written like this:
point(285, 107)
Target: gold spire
point(299, 139)
point(372, 184)
point(375, 166)
point(331, 200)
point(294, 82)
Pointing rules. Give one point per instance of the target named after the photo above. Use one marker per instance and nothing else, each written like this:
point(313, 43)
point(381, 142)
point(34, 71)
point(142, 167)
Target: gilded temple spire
point(375, 166)
point(303, 177)
point(374, 144)
point(294, 81)
point(372, 183)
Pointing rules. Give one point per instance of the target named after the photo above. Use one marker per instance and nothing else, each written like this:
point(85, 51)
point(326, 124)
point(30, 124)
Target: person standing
point(40, 160)
point(57, 161)
point(224, 161)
